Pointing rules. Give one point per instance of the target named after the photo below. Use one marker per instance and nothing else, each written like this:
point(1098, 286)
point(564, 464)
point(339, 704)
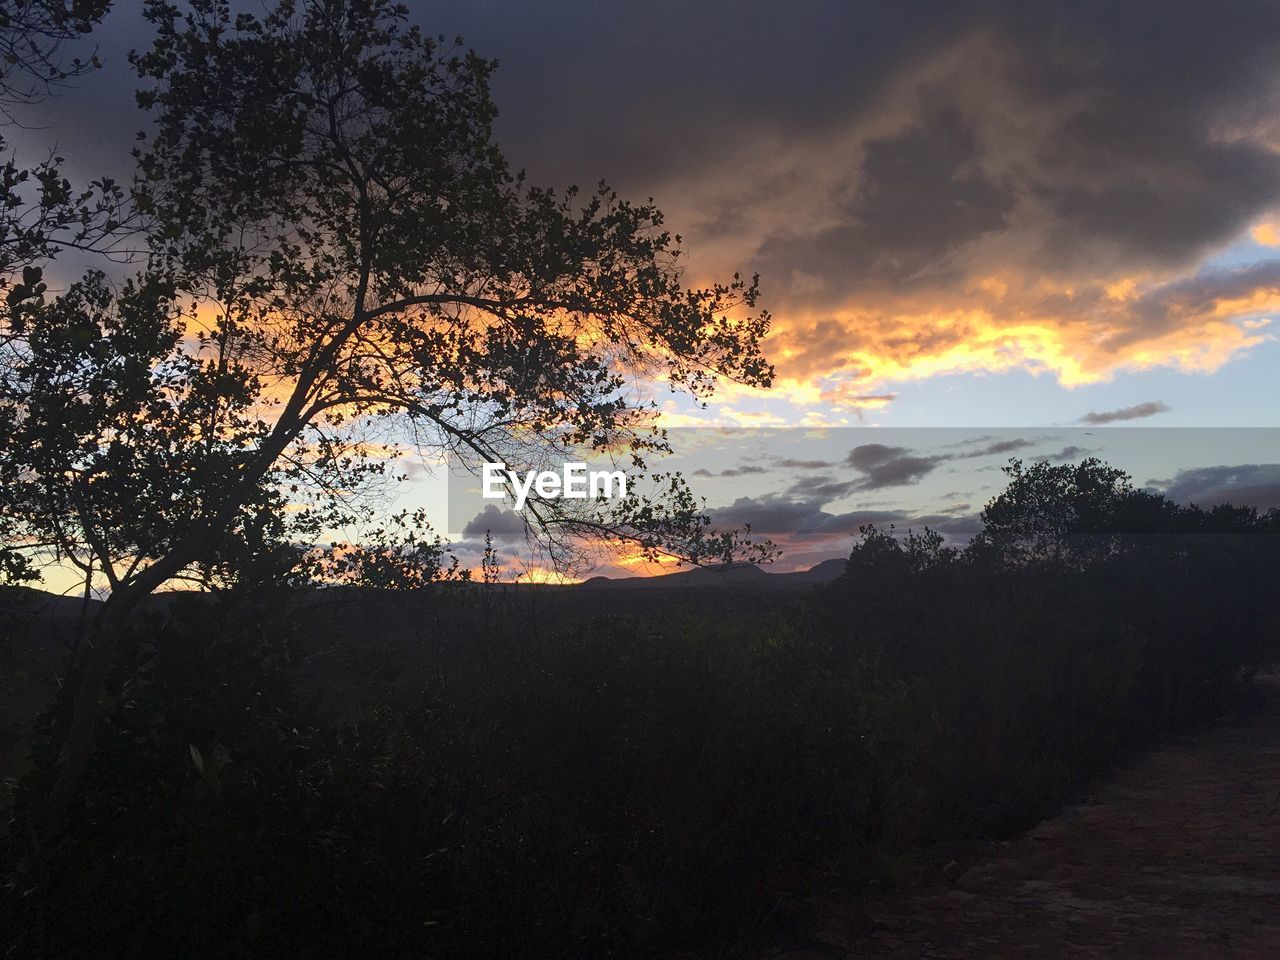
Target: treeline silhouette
point(634, 786)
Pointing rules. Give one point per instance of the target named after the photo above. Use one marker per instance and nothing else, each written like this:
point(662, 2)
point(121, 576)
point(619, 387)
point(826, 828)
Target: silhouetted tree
point(337, 242)
point(1066, 514)
point(32, 34)
point(40, 211)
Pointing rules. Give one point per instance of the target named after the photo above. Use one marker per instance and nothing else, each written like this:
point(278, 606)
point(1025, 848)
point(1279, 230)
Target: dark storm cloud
point(1142, 115)
point(1137, 96)
point(1126, 136)
point(878, 163)
point(921, 194)
point(645, 93)
point(1246, 485)
point(1146, 161)
point(1136, 412)
point(637, 93)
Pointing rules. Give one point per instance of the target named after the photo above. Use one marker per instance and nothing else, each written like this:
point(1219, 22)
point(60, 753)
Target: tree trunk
point(97, 652)
point(102, 640)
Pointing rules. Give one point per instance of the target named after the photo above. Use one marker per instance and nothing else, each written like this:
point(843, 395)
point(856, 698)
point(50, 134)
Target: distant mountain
point(725, 575)
point(823, 572)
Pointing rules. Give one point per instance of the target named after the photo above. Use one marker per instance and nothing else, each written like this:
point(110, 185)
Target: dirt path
point(1177, 856)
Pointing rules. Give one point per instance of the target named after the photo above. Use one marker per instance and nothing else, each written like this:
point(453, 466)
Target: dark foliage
point(622, 788)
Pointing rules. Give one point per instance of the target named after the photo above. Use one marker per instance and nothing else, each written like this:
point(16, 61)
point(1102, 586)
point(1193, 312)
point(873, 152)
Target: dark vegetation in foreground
point(650, 785)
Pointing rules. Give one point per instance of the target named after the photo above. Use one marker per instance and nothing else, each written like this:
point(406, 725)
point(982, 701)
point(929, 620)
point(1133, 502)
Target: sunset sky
point(965, 215)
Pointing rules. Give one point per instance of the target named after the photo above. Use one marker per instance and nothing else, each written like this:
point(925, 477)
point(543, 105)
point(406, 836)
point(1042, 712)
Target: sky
point(968, 215)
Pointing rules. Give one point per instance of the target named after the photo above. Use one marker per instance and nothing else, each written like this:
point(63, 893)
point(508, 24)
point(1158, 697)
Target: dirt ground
point(1176, 856)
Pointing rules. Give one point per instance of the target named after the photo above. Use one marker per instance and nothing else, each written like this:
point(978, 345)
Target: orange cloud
point(1266, 234)
point(1079, 335)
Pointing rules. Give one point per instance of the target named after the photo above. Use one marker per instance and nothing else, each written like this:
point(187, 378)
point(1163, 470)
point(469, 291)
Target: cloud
point(793, 464)
point(1249, 485)
point(954, 526)
point(880, 466)
point(926, 189)
point(1079, 330)
point(741, 471)
point(807, 533)
point(502, 524)
point(848, 394)
point(823, 488)
point(1067, 453)
point(1266, 234)
point(785, 515)
point(921, 194)
point(1136, 412)
point(985, 187)
point(884, 466)
point(996, 448)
